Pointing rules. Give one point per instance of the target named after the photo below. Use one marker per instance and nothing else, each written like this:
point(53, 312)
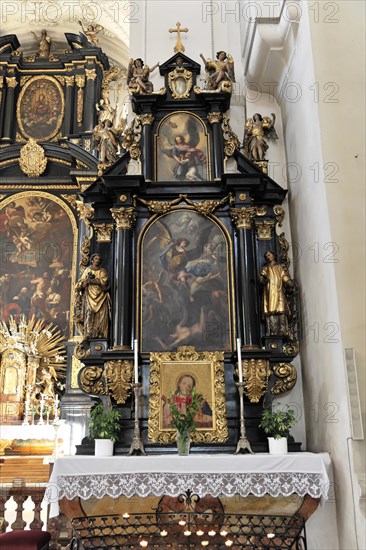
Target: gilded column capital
point(85, 212)
point(124, 217)
point(11, 82)
point(243, 217)
point(214, 117)
point(69, 80)
point(264, 229)
point(80, 80)
point(147, 118)
point(103, 232)
point(90, 74)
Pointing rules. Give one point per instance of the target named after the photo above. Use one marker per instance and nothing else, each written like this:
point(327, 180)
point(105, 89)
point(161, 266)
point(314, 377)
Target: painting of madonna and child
point(185, 284)
point(182, 152)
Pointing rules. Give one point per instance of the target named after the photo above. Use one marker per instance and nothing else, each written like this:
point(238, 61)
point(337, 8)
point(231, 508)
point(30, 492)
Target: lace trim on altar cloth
point(159, 484)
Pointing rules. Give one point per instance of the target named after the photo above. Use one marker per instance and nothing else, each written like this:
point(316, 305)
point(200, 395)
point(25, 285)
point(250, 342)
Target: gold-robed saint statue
point(256, 129)
point(44, 44)
point(221, 70)
point(92, 301)
point(275, 280)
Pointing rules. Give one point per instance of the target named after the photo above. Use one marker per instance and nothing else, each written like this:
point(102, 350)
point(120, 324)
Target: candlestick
point(240, 366)
point(136, 360)
point(243, 442)
point(137, 444)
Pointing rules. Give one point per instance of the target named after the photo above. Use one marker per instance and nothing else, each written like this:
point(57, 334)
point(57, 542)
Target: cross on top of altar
point(179, 45)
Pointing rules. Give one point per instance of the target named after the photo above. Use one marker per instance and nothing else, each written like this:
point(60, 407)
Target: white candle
point(240, 366)
point(136, 360)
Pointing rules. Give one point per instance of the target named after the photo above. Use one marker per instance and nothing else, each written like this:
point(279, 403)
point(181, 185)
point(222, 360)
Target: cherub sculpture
point(138, 76)
point(91, 32)
point(256, 129)
point(44, 44)
point(221, 70)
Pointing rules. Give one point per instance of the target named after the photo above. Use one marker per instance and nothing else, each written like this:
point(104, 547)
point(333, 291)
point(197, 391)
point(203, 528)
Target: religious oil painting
point(174, 375)
point(37, 247)
point(182, 149)
point(184, 289)
point(40, 108)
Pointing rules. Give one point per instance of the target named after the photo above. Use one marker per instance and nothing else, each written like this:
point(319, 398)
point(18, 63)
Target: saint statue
point(44, 44)
point(91, 32)
point(275, 279)
point(93, 301)
point(220, 70)
point(105, 140)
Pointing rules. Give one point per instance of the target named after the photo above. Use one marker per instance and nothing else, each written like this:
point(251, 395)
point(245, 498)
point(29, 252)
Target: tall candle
point(136, 360)
point(240, 366)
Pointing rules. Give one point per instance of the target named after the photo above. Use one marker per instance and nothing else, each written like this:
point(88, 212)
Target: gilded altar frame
point(207, 369)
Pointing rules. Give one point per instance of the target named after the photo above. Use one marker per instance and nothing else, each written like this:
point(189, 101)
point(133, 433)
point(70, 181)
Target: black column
point(11, 84)
point(69, 105)
point(217, 145)
point(89, 100)
point(148, 155)
point(123, 288)
point(246, 277)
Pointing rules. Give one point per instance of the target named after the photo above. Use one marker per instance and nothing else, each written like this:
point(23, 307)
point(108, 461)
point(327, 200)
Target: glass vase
point(183, 443)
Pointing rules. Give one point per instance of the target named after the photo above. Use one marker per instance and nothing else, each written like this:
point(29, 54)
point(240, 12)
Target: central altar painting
point(185, 290)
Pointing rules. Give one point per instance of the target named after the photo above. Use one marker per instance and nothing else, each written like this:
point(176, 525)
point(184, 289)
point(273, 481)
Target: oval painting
point(40, 108)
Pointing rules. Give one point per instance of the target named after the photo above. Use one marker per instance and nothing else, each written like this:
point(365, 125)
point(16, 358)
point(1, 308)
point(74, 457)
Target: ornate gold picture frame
point(205, 370)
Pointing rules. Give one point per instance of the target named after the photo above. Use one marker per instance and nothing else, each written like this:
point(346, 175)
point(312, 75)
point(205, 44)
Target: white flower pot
point(103, 447)
point(277, 446)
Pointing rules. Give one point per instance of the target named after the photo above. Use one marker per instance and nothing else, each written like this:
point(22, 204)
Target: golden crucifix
point(179, 46)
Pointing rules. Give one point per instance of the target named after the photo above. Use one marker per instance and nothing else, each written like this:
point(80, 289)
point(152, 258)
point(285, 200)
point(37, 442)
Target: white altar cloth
point(158, 475)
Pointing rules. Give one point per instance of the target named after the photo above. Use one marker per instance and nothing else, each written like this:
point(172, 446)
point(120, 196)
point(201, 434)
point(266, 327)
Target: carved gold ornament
point(291, 349)
point(85, 212)
point(118, 376)
point(132, 137)
point(243, 217)
point(179, 45)
point(124, 217)
point(103, 232)
point(231, 140)
point(91, 381)
point(214, 117)
point(280, 214)
point(207, 207)
point(180, 82)
point(264, 229)
point(255, 376)
point(207, 369)
point(147, 119)
point(284, 246)
point(287, 377)
point(32, 160)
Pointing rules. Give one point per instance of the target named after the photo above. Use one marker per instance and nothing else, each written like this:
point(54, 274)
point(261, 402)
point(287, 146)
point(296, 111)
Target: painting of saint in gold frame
point(174, 375)
point(182, 151)
point(185, 284)
point(40, 108)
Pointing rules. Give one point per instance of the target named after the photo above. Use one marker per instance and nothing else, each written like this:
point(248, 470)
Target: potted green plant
point(277, 425)
point(183, 418)
point(104, 426)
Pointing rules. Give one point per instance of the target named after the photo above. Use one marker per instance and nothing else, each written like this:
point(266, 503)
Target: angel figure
point(44, 44)
point(256, 129)
point(138, 76)
point(219, 71)
point(91, 32)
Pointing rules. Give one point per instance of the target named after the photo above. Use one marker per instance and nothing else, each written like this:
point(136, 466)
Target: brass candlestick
point(243, 442)
point(137, 444)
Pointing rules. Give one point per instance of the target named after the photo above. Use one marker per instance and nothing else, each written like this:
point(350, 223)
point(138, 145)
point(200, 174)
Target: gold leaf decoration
point(118, 376)
point(32, 160)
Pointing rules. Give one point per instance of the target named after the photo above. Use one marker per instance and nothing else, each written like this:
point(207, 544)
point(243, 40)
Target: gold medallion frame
point(168, 367)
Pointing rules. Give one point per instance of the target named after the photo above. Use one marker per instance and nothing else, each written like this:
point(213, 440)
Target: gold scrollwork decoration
point(264, 229)
point(85, 212)
point(118, 377)
point(180, 82)
point(92, 382)
point(231, 140)
point(124, 217)
point(280, 214)
point(159, 207)
point(103, 232)
point(255, 376)
point(32, 159)
point(76, 366)
point(80, 351)
point(132, 137)
point(169, 366)
point(291, 349)
point(284, 247)
point(71, 199)
point(287, 378)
